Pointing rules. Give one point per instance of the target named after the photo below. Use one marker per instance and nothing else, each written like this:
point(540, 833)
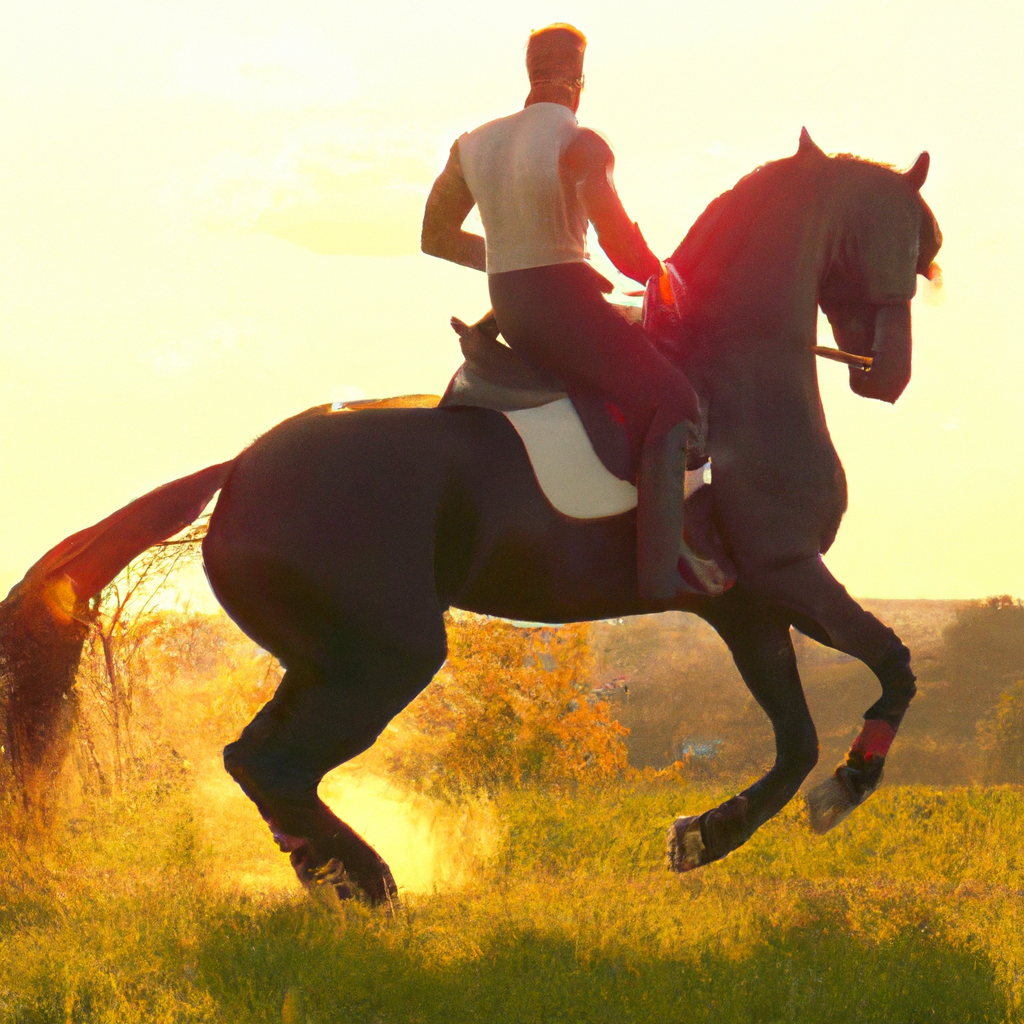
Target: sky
point(210, 212)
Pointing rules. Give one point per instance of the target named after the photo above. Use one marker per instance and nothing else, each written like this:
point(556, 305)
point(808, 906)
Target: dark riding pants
point(558, 319)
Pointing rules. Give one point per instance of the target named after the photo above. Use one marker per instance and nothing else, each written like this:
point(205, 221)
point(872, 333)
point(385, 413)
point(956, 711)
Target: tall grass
point(912, 911)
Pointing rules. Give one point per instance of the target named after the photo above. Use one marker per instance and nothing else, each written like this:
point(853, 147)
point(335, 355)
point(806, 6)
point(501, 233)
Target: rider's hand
point(662, 297)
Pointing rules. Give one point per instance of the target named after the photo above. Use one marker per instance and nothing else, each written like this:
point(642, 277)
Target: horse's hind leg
point(825, 611)
point(761, 646)
point(321, 716)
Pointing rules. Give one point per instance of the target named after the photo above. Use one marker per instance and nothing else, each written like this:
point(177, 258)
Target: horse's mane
point(852, 157)
point(728, 218)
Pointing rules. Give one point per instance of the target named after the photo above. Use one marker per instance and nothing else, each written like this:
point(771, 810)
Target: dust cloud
point(429, 846)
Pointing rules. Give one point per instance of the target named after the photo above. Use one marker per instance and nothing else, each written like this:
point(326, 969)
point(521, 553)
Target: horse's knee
point(797, 754)
point(898, 685)
point(894, 671)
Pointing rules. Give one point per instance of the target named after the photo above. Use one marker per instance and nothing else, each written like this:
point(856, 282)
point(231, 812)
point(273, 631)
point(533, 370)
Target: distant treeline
point(680, 696)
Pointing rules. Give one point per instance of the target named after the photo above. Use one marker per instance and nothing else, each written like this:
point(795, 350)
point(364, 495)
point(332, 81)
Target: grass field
point(545, 907)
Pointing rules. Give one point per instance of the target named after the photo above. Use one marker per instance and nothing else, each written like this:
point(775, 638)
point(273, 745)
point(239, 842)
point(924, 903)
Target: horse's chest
point(767, 433)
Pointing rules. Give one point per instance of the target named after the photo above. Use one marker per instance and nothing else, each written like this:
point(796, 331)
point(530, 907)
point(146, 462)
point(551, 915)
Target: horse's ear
point(917, 174)
point(808, 147)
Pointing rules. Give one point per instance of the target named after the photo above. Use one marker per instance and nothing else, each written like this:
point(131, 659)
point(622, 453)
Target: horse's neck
point(755, 256)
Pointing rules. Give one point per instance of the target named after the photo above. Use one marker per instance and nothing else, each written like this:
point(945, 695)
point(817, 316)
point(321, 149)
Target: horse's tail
point(45, 619)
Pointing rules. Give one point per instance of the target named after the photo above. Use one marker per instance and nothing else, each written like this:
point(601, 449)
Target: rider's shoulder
point(587, 150)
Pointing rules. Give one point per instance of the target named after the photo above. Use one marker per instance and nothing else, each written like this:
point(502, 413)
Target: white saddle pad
point(567, 468)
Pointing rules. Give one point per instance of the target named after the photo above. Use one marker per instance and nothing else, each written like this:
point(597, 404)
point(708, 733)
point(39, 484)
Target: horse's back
point(388, 511)
point(347, 477)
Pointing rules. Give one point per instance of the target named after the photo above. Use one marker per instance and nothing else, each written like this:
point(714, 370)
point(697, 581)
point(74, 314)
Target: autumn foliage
point(512, 705)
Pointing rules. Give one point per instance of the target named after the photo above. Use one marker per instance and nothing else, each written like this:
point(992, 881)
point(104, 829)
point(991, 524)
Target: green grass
point(910, 912)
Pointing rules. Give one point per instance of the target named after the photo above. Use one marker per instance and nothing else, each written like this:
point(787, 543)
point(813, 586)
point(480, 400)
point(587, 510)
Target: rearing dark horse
point(340, 537)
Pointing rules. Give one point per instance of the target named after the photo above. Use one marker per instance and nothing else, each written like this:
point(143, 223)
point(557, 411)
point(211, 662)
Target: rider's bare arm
point(448, 205)
point(588, 161)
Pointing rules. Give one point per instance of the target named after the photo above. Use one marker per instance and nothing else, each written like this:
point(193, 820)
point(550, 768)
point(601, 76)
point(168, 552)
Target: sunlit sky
point(209, 220)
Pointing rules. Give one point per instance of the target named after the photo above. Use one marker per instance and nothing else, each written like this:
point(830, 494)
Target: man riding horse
point(538, 178)
point(341, 536)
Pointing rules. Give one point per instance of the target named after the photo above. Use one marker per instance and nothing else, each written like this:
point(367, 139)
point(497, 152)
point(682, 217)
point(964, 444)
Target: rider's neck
point(552, 93)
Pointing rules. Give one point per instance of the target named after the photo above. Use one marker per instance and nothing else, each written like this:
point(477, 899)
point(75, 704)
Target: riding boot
point(666, 567)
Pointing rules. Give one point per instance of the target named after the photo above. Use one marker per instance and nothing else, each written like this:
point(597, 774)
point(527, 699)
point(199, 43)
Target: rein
point(660, 294)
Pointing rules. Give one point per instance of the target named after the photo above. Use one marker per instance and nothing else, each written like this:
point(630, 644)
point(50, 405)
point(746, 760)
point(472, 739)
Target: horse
point(341, 536)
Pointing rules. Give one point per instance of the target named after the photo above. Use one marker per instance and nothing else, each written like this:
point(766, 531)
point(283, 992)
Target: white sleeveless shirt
point(511, 168)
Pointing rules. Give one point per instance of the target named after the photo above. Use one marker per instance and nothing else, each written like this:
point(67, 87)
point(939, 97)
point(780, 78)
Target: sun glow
point(211, 216)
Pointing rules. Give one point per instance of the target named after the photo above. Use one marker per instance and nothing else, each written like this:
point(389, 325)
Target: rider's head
point(554, 62)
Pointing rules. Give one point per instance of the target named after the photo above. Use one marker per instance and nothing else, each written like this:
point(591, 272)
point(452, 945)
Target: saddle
point(584, 455)
point(495, 377)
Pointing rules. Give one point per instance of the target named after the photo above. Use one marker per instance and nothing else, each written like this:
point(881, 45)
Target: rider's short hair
point(554, 55)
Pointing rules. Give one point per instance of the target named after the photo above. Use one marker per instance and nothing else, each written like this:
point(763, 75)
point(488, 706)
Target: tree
point(511, 705)
point(1001, 737)
point(982, 654)
point(123, 621)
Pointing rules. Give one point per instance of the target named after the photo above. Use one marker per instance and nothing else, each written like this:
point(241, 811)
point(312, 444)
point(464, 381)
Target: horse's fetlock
point(725, 827)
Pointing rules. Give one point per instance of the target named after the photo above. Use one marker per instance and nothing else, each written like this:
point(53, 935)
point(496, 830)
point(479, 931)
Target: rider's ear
point(808, 147)
point(917, 174)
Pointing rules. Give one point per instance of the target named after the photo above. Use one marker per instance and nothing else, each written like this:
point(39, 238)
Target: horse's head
point(885, 236)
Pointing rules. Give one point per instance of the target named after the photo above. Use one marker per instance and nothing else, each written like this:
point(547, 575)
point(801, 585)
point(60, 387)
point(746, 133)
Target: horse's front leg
point(858, 776)
point(762, 648)
point(823, 610)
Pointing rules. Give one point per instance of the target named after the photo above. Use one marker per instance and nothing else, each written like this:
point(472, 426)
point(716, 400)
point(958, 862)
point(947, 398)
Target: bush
point(511, 705)
point(187, 684)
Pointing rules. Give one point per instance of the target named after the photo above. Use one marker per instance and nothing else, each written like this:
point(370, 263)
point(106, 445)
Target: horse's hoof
point(329, 874)
point(835, 799)
point(684, 846)
point(318, 876)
